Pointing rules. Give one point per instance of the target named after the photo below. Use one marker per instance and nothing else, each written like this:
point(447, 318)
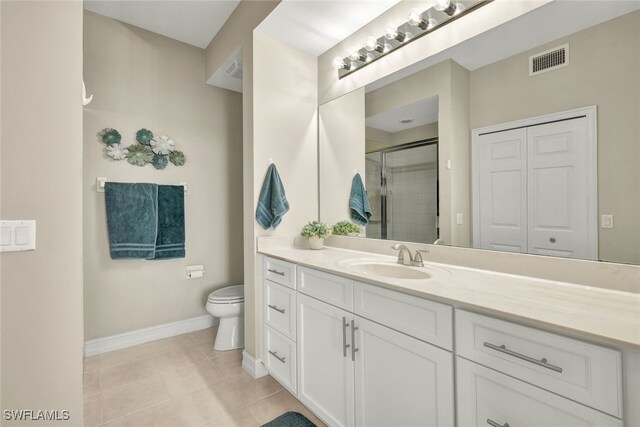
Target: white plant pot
point(315, 242)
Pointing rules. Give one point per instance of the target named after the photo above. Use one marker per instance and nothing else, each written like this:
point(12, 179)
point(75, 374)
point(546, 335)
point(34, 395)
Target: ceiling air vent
point(234, 69)
point(548, 60)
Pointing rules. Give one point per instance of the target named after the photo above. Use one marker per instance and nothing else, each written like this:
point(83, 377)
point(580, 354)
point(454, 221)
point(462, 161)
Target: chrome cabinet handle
point(274, 271)
point(354, 328)
point(345, 346)
point(542, 362)
point(275, 354)
point(495, 424)
point(275, 307)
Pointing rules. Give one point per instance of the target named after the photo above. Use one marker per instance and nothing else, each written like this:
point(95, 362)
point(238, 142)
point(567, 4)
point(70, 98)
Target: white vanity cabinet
point(352, 371)
point(362, 355)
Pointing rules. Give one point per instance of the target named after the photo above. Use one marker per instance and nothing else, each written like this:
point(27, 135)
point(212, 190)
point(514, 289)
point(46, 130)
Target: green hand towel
point(131, 219)
point(170, 239)
point(272, 203)
point(359, 202)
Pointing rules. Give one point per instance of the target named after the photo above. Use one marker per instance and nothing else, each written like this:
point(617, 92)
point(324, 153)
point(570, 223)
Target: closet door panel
point(502, 190)
point(559, 190)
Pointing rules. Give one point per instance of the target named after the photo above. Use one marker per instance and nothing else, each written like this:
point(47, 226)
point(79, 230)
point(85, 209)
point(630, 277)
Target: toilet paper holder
point(195, 271)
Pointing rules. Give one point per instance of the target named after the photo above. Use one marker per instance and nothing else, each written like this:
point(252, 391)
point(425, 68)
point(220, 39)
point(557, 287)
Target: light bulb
point(355, 55)
point(416, 19)
point(338, 63)
point(441, 5)
point(371, 44)
point(445, 6)
point(393, 34)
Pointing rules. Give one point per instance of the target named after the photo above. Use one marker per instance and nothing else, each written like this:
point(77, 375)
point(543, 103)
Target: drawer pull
point(345, 346)
point(354, 328)
point(274, 271)
point(275, 354)
point(495, 424)
point(543, 362)
point(275, 307)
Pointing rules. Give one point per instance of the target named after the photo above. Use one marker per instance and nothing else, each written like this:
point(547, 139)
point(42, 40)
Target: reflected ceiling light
point(419, 24)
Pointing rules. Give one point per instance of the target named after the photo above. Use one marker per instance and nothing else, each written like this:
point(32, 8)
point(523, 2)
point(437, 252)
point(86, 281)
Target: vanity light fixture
point(419, 24)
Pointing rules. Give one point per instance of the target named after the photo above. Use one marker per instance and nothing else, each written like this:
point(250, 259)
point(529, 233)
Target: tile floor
point(180, 382)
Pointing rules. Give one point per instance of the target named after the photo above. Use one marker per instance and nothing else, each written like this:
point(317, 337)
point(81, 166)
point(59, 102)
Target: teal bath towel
point(170, 239)
point(132, 219)
point(272, 203)
point(359, 202)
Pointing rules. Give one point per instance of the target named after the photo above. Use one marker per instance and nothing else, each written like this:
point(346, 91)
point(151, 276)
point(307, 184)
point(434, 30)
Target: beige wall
point(341, 148)
point(453, 133)
point(141, 79)
point(285, 128)
point(41, 179)
point(603, 71)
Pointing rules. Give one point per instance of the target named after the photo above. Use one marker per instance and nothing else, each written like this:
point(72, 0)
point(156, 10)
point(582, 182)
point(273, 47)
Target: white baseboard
point(253, 366)
point(153, 333)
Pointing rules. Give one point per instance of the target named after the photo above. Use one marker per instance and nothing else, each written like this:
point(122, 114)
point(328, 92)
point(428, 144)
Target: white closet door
point(561, 190)
point(502, 190)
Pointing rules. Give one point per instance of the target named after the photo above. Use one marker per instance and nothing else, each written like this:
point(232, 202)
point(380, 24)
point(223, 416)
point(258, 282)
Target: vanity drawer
point(279, 271)
point(487, 398)
point(280, 358)
point(331, 289)
point(280, 308)
point(584, 372)
point(423, 319)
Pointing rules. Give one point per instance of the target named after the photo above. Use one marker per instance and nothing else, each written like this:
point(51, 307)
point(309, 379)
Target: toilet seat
point(227, 295)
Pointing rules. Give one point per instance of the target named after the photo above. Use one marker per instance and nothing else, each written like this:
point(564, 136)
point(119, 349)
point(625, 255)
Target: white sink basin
point(388, 269)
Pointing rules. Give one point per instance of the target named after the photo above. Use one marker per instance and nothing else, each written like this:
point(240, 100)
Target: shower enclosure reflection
point(402, 184)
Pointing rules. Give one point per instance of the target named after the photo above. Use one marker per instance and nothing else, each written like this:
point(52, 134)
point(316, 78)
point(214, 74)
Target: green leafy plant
point(315, 229)
point(344, 228)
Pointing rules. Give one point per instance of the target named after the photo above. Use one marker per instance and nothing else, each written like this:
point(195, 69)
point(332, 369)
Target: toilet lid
point(228, 294)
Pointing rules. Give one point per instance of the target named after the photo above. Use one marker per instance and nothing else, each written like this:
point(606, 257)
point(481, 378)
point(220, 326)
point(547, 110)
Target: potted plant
point(345, 228)
point(316, 232)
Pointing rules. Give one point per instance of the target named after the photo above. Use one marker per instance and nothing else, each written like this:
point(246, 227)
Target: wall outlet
point(607, 221)
point(459, 219)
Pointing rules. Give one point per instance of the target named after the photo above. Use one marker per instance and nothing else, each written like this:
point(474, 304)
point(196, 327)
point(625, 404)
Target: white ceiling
point(189, 21)
point(314, 26)
point(421, 113)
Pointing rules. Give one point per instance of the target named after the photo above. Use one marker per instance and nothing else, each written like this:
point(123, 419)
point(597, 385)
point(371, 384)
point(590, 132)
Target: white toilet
point(228, 304)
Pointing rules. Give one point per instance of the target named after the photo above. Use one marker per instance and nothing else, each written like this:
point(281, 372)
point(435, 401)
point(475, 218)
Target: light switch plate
point(607, 221)
point(16, 236)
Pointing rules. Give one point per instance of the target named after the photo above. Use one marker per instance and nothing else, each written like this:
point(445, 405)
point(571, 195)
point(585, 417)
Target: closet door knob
point(552, 239)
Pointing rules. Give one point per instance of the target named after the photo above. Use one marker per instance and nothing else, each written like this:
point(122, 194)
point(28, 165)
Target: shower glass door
point(402, 184)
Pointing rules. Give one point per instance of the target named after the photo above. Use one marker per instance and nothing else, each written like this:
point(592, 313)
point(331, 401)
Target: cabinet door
point(325, 369)
point(400, 381)
point(489, 398)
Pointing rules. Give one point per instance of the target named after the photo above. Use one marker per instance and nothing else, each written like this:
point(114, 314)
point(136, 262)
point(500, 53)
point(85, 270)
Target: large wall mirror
point(524, 139)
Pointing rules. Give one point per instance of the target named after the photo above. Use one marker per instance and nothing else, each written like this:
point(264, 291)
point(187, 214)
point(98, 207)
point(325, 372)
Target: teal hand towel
point(131, 219)
point(272, 203)
point(170, 238)
point(359, 202)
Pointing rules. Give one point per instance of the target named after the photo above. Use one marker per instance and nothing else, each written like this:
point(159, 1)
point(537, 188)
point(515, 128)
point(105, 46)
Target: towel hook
point(355, 172)
point(270, 161)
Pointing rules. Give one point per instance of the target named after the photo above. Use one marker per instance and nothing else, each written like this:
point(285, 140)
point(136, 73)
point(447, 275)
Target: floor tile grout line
point(105, 422)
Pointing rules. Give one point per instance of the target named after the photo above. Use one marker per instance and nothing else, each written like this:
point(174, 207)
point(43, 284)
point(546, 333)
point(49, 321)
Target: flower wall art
point(158, 150)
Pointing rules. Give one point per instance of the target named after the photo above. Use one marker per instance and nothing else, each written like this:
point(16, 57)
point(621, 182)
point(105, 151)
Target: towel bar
point(100, 181)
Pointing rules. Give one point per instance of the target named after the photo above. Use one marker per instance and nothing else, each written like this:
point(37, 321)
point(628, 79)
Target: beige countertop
point(608, 316)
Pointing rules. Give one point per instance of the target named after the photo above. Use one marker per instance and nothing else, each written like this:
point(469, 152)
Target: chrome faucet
point(401, 255)
point(417, 259)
